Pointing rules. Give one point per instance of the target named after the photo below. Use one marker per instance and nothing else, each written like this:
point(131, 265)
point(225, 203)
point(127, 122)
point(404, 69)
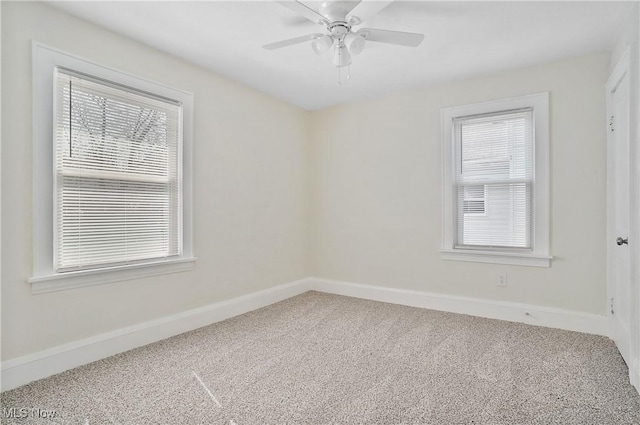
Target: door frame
point(622, 68)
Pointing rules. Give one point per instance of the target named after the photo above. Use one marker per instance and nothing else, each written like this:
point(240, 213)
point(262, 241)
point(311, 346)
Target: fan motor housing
point(339, 29)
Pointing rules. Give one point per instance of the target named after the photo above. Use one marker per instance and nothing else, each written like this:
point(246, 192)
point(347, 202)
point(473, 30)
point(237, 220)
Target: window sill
point(79, 279)
point(511, 258)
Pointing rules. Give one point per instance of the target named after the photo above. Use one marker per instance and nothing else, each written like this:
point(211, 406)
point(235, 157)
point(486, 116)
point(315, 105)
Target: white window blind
point(117, 174)
point(493, 186)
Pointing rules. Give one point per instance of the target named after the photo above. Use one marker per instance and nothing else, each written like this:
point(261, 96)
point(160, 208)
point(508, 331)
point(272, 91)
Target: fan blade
point(291, 41)
point(410, 39)
point(302, 9)
point(366, 9)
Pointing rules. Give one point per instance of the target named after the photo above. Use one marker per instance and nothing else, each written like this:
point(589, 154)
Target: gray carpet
point(321, 359)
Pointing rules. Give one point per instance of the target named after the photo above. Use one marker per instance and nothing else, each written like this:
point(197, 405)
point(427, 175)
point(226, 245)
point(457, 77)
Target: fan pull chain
point(339, 70)
point(340, 66)
point(340, 74)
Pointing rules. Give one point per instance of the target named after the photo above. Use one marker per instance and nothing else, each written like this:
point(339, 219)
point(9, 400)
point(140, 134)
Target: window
point(112, 175)
point(116, 174)
point(496, 182)
point(495, 150)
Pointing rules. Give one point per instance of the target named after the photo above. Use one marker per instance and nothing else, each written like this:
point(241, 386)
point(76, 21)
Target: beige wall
point(376, 179)
point(250, 173)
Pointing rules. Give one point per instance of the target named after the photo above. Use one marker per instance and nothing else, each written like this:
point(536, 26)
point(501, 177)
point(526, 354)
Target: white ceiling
point(461, 39)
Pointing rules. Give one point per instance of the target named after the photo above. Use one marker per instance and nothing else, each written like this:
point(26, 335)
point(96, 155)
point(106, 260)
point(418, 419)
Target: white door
point(618, 204)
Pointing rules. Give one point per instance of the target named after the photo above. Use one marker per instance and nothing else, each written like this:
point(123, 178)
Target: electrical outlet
point(502, 279)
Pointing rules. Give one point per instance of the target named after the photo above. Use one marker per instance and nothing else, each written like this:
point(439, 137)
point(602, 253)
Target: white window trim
point(539, 255)
point(44, 278)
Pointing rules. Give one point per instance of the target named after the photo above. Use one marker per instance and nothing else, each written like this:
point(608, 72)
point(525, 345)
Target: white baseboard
point(22, 370)
point(513, 312)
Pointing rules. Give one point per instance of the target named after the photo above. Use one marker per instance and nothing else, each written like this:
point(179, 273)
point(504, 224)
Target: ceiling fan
point(339, 17)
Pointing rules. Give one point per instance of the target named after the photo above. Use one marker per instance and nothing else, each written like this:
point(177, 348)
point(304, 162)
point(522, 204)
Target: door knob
point(621, 241)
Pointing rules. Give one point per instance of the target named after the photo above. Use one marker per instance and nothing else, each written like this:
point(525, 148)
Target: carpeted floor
point(321, 359)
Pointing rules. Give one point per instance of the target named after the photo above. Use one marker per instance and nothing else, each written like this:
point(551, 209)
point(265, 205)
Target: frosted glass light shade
point(355, 43)
point(321, 45)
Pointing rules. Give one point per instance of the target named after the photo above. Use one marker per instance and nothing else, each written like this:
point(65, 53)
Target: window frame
point(44, 277)
point(539, 254)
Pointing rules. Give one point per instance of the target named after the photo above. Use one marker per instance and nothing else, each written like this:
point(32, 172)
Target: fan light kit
point(339, 18)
